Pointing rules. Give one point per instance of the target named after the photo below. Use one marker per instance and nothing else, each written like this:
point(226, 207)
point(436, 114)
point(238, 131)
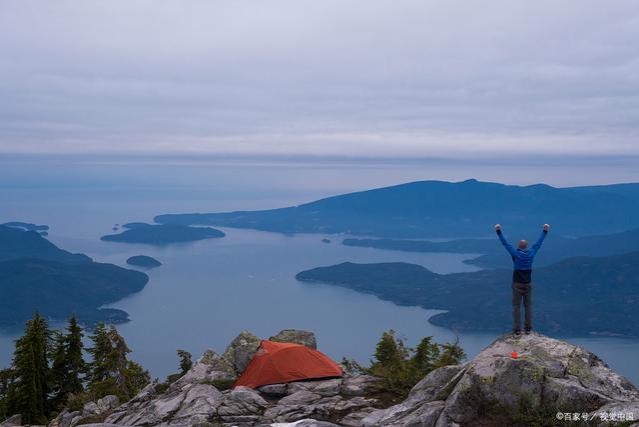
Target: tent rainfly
point(277, 363)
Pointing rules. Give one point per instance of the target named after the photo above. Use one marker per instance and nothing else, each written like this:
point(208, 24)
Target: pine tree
point(7, 377)
point(426, 355)
point(451, 354)
point(186, 361)
point(111, 372)
point(76, 366)
point(58, 369)
point(98, 368)
point(30, 363)
point(387, 352)
point(68, 366)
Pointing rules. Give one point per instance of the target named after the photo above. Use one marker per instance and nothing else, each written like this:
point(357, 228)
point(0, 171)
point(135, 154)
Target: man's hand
point(498, 227)
point(546, 227)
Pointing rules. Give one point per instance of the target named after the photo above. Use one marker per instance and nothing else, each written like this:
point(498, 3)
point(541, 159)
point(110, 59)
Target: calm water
point(207, 292)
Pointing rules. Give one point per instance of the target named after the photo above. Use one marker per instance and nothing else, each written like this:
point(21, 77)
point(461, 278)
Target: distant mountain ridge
point(444, 209)
point(577, 296)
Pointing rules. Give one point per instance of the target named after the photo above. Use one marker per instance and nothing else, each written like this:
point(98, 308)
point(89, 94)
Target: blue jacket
point(522, 258)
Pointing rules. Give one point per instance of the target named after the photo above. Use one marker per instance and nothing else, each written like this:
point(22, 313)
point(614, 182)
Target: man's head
point(523, 244)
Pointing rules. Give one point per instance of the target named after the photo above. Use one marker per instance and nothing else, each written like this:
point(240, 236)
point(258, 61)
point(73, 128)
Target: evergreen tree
point(7, 377)
point(400, 368)
point(387, 352)
point(58, 369)
point(426, 355)
point(99, 369)
point(451, 354)
point(68, 366)
point(111, 372)
point(76, 366)
point(186, 361)
point(30, 364)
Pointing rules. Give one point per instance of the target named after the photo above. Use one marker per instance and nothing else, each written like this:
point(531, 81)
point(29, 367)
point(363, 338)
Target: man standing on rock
point(522, 262)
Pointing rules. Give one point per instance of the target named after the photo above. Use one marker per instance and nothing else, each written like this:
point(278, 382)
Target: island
point(578, 296)
point(37, 275)
point(492, 254)
point(17, 243)
point(27, 226)
point(439, 209)
point(162, 234)
point(143, 261)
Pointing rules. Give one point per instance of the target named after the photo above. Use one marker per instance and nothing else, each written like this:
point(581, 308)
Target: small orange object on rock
point(514, 355)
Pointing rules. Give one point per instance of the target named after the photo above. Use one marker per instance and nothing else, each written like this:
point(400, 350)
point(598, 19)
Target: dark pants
point(522, 291)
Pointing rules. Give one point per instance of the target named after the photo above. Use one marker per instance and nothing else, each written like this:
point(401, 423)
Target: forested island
point(143, 261)
point(37, 275)
point(577, 296)
point(492, 253)
point(162, 234)
point(439, 209)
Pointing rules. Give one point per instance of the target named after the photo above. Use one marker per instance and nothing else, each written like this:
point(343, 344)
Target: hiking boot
point(516, 332)
point(527, 331)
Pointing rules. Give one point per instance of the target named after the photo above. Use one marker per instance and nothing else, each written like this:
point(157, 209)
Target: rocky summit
point(516, 381)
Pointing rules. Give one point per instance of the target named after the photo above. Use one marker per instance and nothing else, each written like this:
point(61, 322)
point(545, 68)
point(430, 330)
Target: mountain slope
point(443, 209)
point(577, 296)
point(16, 243)
point(57, 289)
point(37, 275)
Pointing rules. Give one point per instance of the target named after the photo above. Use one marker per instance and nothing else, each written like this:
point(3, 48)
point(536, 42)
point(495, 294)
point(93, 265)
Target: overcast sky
point(389, 78)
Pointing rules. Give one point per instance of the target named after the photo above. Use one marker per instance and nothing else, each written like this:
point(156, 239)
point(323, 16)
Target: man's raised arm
point(539, 241)
point(503, 241)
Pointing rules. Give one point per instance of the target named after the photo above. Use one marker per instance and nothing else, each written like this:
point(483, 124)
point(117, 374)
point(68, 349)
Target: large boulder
point(192, 404)
point(15, 420)
point(241, 350)
point(296, 336)
point(528, 377)
point(210, 368)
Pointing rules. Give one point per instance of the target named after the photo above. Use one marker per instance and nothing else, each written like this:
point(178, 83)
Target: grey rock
point(274, 390)
point(300, 397)
point(194, 403)
point(108, 403)
point(295, 336)
point(630, 411)
point(242, 401)
point(548, 373)
point(361, 385)
point(418, 403)
point(14, 420)
point(330, 387)
point(102, 425)
point(241, 350)
point(305, 423)
point(90, 409)
point(65, 418)
point(210, 367)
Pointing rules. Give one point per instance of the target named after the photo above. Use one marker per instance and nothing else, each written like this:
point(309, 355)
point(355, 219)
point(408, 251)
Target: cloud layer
point(392, 78)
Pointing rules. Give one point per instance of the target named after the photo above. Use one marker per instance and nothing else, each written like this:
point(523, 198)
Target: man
point(522, 262)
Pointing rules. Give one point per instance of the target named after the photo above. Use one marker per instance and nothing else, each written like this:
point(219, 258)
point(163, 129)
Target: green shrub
point(400, 367)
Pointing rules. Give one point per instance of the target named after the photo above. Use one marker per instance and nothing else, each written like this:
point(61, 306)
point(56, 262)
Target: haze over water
point(206, 292)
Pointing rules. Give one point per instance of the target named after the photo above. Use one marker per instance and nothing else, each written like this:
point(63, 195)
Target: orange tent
point(277, 362)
